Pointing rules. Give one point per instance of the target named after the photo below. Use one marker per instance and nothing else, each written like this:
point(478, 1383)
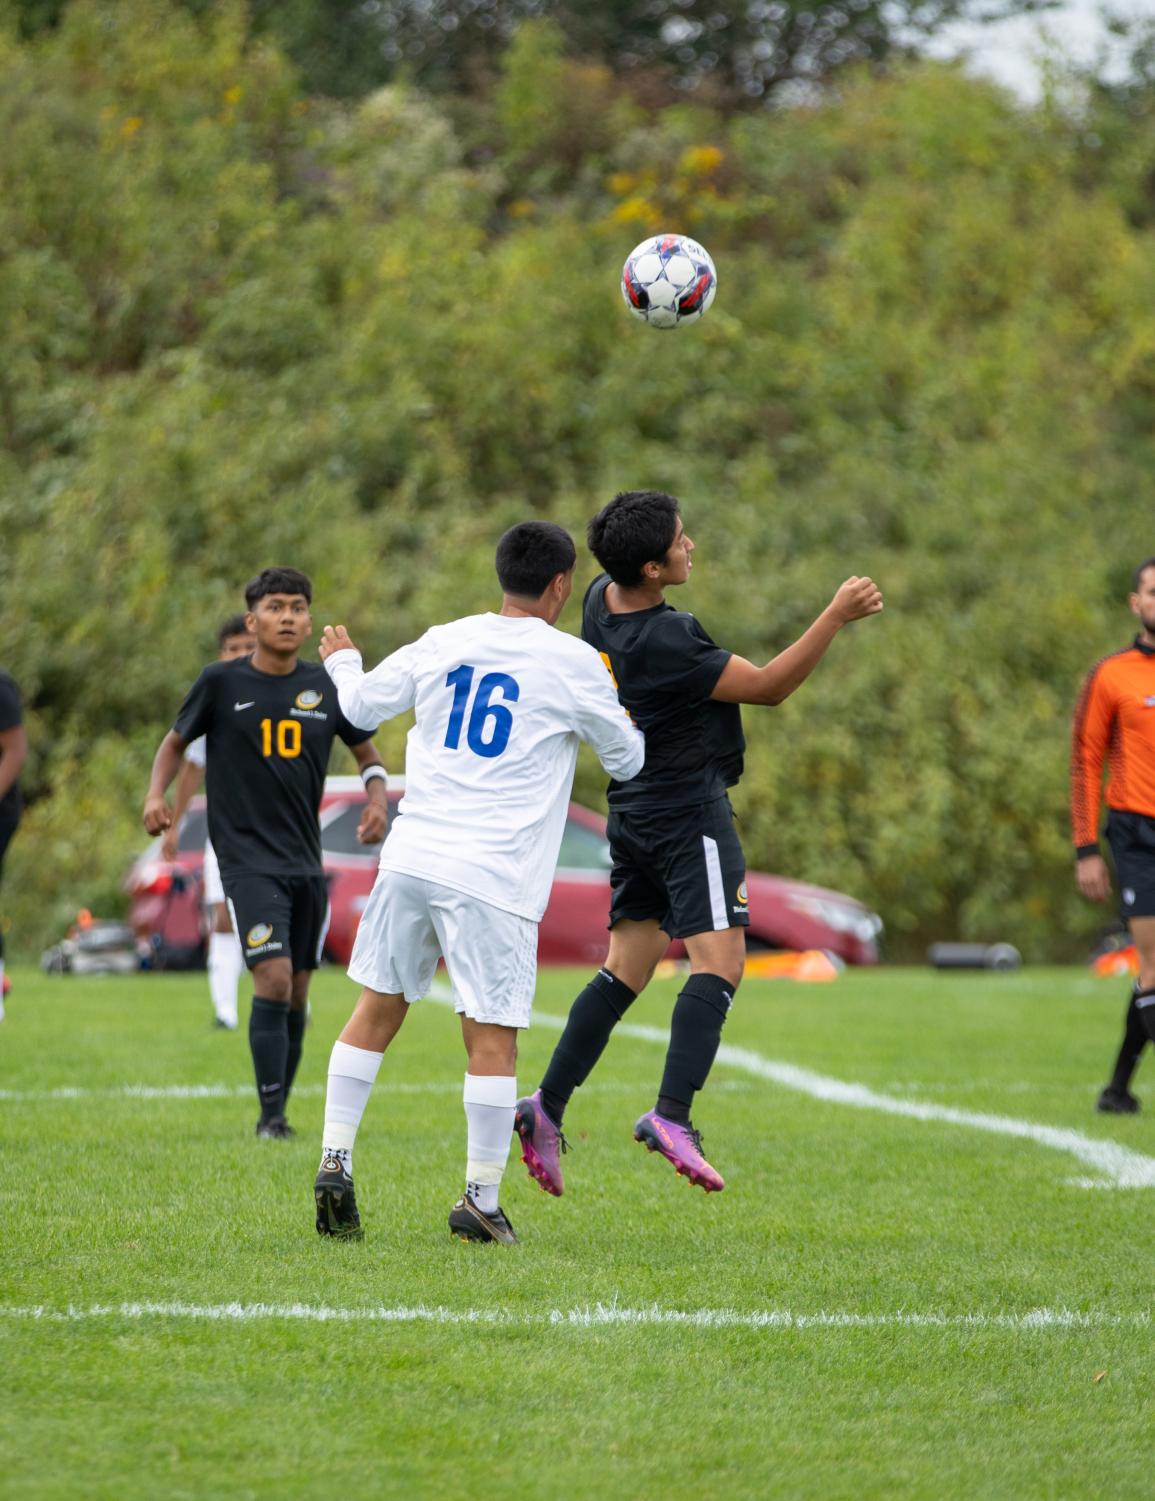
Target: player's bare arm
point(157, 814)
point(335, 638)
point(13, 754)
point(374, 820)
point(744, 683)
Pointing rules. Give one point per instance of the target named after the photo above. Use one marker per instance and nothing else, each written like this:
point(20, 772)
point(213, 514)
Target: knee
point(493, 1056)
point(273, 982)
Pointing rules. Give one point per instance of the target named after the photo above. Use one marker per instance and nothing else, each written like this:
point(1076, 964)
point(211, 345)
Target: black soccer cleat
point(467, 1222)
point(274, 1128)
point(336, 1202)
point(1116, 1101)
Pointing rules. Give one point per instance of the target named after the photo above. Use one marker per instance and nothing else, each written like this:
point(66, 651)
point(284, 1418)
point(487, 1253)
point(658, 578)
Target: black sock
point(1143, 1001)
point(269, 1045)
point(1134, 1041)
point(593, 1016)
point(695, 1032)
point(296, 1029)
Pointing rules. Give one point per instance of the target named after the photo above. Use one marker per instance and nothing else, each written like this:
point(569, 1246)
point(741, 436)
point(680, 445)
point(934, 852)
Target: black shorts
point(280, 917)
point(1132, 840)
point(683, 866)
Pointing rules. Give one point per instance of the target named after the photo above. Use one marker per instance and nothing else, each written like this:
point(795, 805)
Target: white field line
point(1115, 1166)
point(598, 1315)
point(300, 1091)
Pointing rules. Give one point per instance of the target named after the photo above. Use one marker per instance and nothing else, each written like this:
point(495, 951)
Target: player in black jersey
point(270, 720)
point(678, 868)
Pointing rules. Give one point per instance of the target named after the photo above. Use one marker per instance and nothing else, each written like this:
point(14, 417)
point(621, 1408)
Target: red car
point(783, 914)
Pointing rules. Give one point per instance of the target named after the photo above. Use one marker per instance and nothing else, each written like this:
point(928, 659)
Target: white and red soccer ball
point(668, 280)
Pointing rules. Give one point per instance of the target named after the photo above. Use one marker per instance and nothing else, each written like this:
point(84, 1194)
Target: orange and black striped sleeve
point(1094, 726)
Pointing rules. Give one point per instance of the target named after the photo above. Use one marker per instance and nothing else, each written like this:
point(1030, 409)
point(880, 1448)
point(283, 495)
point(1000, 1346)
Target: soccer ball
point(668, 281)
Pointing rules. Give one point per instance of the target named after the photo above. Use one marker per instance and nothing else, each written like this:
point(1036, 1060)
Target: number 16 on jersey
point(489, 723)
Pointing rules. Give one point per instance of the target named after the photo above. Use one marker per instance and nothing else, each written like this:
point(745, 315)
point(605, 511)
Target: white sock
point(352, 1074)
point(226, 965)
point(490, 1101)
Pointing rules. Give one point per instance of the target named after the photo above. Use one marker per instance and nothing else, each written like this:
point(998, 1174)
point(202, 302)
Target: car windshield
point(582, 849)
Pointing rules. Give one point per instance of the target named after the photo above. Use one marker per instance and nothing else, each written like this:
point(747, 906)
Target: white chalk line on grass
point(302, 1091)
point(1116, 1166)
point(597, 1315)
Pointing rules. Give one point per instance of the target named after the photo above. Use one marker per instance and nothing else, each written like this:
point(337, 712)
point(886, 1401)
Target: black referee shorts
point(682, 866)
point(280, 917)
point(1132, 840)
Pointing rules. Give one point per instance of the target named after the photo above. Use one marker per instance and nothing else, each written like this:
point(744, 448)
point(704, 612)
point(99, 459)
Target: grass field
point(880, 1304)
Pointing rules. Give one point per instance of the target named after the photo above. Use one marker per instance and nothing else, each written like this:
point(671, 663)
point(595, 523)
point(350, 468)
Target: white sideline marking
point(245, 1091)
point(598, 1315)
point(1116, 1165)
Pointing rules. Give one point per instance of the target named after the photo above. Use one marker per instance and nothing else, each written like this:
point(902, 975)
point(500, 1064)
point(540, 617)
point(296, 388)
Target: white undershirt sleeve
point(367, 699)
point(604, 724)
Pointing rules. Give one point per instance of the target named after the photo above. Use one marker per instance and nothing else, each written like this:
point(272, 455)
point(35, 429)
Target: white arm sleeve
point(194, 751)
point(604, 724)
point(369, 698)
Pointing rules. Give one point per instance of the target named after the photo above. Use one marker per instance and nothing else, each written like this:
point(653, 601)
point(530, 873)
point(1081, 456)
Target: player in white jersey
point(502, 701)
point(226, 960)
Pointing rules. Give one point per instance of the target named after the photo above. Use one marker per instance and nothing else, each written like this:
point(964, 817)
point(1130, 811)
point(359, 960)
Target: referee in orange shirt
point(1115, 723)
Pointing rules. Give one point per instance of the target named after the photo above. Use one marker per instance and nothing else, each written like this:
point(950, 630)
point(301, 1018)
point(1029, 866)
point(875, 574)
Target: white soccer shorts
point(214, 892)
point(491, 955)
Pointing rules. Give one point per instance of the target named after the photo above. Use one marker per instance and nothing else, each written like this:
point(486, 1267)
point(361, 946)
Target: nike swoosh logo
point(249, 705)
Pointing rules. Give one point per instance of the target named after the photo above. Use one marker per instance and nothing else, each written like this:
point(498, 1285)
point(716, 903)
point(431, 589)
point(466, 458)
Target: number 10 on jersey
point(483, 713)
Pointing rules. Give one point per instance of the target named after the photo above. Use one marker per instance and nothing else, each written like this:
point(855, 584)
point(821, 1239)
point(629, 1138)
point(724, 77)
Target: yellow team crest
point(742, 895)
point(259, 934)
point(309, 699)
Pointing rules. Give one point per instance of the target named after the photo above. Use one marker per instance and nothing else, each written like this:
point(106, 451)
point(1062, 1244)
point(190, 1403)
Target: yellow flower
point(522, 208)
point(233, 94)
point(621, 183)
point(131, 126)
point(635, 210)
point(700, 161)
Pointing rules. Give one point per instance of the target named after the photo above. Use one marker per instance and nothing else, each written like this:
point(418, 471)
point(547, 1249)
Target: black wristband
point(1082, 851)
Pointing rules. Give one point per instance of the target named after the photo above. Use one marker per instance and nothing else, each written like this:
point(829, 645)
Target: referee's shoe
point(1117, 1100)
point(336, 1202)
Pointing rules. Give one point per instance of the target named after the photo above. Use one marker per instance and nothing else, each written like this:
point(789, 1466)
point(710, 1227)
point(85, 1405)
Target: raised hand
point(857, 598)
point(335, 638)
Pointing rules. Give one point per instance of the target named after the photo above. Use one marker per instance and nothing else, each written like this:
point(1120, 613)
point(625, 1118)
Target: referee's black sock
point(269, 1045)
point(1134, 1041)
point(295, 1024)
point(695, 1032)
point(593, 1016)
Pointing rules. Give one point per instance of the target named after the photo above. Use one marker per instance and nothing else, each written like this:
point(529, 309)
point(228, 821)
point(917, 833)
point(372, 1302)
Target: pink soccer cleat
point(542, 1143)
point(682, 1146)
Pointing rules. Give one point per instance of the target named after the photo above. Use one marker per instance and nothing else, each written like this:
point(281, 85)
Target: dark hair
point(637, 527)
point(235, 625)
point(277, 581)
point(1140, 571)
point(531, 555)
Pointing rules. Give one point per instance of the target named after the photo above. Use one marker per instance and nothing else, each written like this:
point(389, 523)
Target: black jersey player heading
point(678, 869)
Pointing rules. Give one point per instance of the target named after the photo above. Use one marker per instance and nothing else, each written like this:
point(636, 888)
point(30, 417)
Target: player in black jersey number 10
point(269, 721)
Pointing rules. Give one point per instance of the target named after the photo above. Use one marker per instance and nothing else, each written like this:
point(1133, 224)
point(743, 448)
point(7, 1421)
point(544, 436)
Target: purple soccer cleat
point(682, 1146)
point(542, 1143)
